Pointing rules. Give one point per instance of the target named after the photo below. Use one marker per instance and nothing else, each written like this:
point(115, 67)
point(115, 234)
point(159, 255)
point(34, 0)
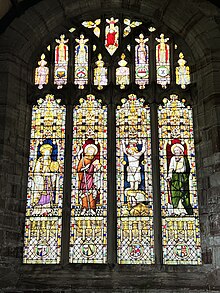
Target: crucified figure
point(133, 168)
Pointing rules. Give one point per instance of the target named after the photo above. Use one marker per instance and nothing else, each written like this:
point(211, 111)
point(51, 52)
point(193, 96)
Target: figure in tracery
point(141, 62)
point(141, 50)
point(41, 73)
point(82, 50)
point(111, 35)
point(163, 61)
point(182, 72)
point(100, 73)
point(61, 62)
point(62, 50)
point(163, 49)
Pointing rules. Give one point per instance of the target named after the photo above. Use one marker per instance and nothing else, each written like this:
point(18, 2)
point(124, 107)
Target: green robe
point(180, 188)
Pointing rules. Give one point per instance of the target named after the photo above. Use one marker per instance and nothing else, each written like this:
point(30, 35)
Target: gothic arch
point(22, 41)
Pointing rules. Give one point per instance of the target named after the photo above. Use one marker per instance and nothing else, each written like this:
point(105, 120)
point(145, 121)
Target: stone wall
point(197, 23)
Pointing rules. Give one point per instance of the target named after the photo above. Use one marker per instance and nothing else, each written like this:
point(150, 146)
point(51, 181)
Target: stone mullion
point(152, 59)
point(52, 64)
point(172, 65)
point(66, 211)
point(112, 203)
point(71, 61)
point(156, 186)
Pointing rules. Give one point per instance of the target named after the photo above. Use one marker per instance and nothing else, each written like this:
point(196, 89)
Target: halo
point(177, 145)
point(91, 146)
point(45, 147)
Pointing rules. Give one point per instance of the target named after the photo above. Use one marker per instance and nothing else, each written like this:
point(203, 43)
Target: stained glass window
point(141, 62)
point(134, 183)
point(43, 225)
point(163, 61)
point(88, 238)
point(180, 223)
point(61, 62)
point(81, 62)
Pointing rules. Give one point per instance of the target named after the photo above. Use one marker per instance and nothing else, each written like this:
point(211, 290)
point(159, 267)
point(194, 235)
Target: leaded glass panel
point(81, 62)
point(111, 35)
point(134, 183)
point(88, 231)
point(100, 73)
point(93, 25)
point(141, 62)
point(163, 61)
point(182, 72)
point(61, 62)
point(41, 73)
point(129, 25)
point(122, 73)
point(180, 219)
point(43, 224)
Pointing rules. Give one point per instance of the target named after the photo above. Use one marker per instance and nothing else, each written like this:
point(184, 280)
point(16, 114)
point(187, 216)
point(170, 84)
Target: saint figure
point(178, 180)
point(45, 174)
point(89, 163)
point(41, 73)
point(81, 50)
point(133, 169)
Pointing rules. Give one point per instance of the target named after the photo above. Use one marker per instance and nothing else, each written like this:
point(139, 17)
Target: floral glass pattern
point(93, 25)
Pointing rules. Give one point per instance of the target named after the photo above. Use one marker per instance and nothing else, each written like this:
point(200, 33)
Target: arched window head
point(112, 175)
